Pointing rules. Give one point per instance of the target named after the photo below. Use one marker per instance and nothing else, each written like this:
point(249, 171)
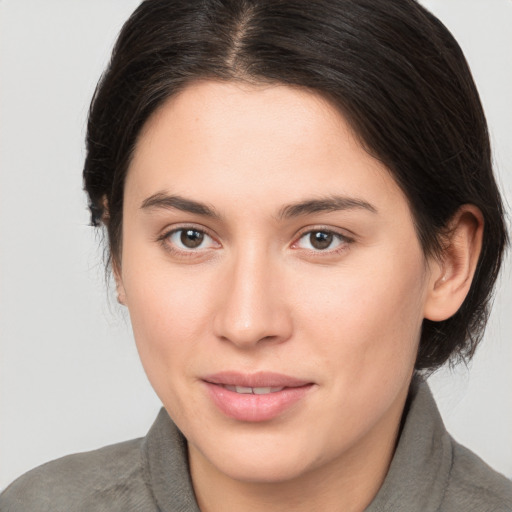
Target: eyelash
point(343, 241)
point(171, 247)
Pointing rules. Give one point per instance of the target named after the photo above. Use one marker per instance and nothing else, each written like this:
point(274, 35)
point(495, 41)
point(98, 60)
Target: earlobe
point(121, 294)
point(105, 216)
point(452, 274)
point(121, 297)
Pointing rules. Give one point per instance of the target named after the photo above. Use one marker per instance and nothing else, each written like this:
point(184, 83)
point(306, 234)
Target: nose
point(253, 308)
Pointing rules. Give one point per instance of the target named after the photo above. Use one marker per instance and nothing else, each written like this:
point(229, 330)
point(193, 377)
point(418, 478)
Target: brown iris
point(191, 238)
point(320, 239)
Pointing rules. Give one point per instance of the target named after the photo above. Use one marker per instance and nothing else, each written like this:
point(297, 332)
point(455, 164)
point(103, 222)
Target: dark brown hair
point(390, 66)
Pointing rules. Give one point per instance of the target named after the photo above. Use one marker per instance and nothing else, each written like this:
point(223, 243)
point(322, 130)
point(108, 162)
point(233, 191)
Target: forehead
point(223, 139)
point(240, 116)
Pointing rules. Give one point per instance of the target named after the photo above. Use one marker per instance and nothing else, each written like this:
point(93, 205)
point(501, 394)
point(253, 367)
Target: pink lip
point(252, 407)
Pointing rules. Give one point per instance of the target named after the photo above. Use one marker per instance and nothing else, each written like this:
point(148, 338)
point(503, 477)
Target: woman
point(302, 220)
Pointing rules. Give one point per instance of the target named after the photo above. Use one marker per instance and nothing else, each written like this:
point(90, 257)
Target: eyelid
point(341, 234)
point(165, 235)
point(169, 230)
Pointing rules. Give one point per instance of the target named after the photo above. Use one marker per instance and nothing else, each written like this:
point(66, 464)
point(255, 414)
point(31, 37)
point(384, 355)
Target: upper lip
point(255, 380)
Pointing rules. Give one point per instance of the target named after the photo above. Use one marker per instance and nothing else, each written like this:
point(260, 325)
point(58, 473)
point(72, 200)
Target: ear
point(105, 216)
point(452, 273)
point(121, 293)
point(116, 265)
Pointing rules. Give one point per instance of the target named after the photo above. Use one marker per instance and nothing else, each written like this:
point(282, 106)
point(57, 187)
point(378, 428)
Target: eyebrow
point(327, 204)
point(164, 201)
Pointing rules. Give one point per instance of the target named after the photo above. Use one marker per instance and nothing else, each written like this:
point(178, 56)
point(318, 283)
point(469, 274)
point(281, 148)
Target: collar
point(420, 470)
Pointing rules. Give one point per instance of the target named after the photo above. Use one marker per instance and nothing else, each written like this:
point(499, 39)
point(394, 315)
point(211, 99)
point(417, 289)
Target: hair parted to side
point(391, 68)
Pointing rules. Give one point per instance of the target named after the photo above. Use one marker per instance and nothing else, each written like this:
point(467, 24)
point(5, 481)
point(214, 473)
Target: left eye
point(320, 240)
point(189, 239)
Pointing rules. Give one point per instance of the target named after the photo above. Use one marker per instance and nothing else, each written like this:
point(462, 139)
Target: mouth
point(253, 391)
point(255, 397)
point(269, 381)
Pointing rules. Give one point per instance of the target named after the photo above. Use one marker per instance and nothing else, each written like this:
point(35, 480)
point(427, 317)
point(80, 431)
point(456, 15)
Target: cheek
point(169, 315)
point(367, 315)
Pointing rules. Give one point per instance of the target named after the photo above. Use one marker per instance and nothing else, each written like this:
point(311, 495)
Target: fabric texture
point(430, 472)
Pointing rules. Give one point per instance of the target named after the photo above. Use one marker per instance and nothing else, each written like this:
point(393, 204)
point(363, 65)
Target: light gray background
point(70, 379)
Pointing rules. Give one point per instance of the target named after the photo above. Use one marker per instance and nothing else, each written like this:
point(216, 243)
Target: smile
point(254, 391)
point(255, 397)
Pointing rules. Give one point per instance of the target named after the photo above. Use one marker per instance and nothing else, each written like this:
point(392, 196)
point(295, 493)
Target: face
point(274, 280)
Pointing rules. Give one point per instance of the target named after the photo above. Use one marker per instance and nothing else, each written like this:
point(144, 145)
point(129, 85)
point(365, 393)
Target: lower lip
point(255, 408)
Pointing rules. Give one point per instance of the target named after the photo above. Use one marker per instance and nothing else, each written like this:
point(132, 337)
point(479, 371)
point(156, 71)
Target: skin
point(256, 295)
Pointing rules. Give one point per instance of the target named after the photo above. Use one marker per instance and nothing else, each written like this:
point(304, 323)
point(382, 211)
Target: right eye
point(190, 239)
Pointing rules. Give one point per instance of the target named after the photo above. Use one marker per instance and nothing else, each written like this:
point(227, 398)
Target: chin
point(254, 456)
point(269, 469)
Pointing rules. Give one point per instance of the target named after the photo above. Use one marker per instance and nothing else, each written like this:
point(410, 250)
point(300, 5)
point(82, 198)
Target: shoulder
point(111, 478)
point(474, 486)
